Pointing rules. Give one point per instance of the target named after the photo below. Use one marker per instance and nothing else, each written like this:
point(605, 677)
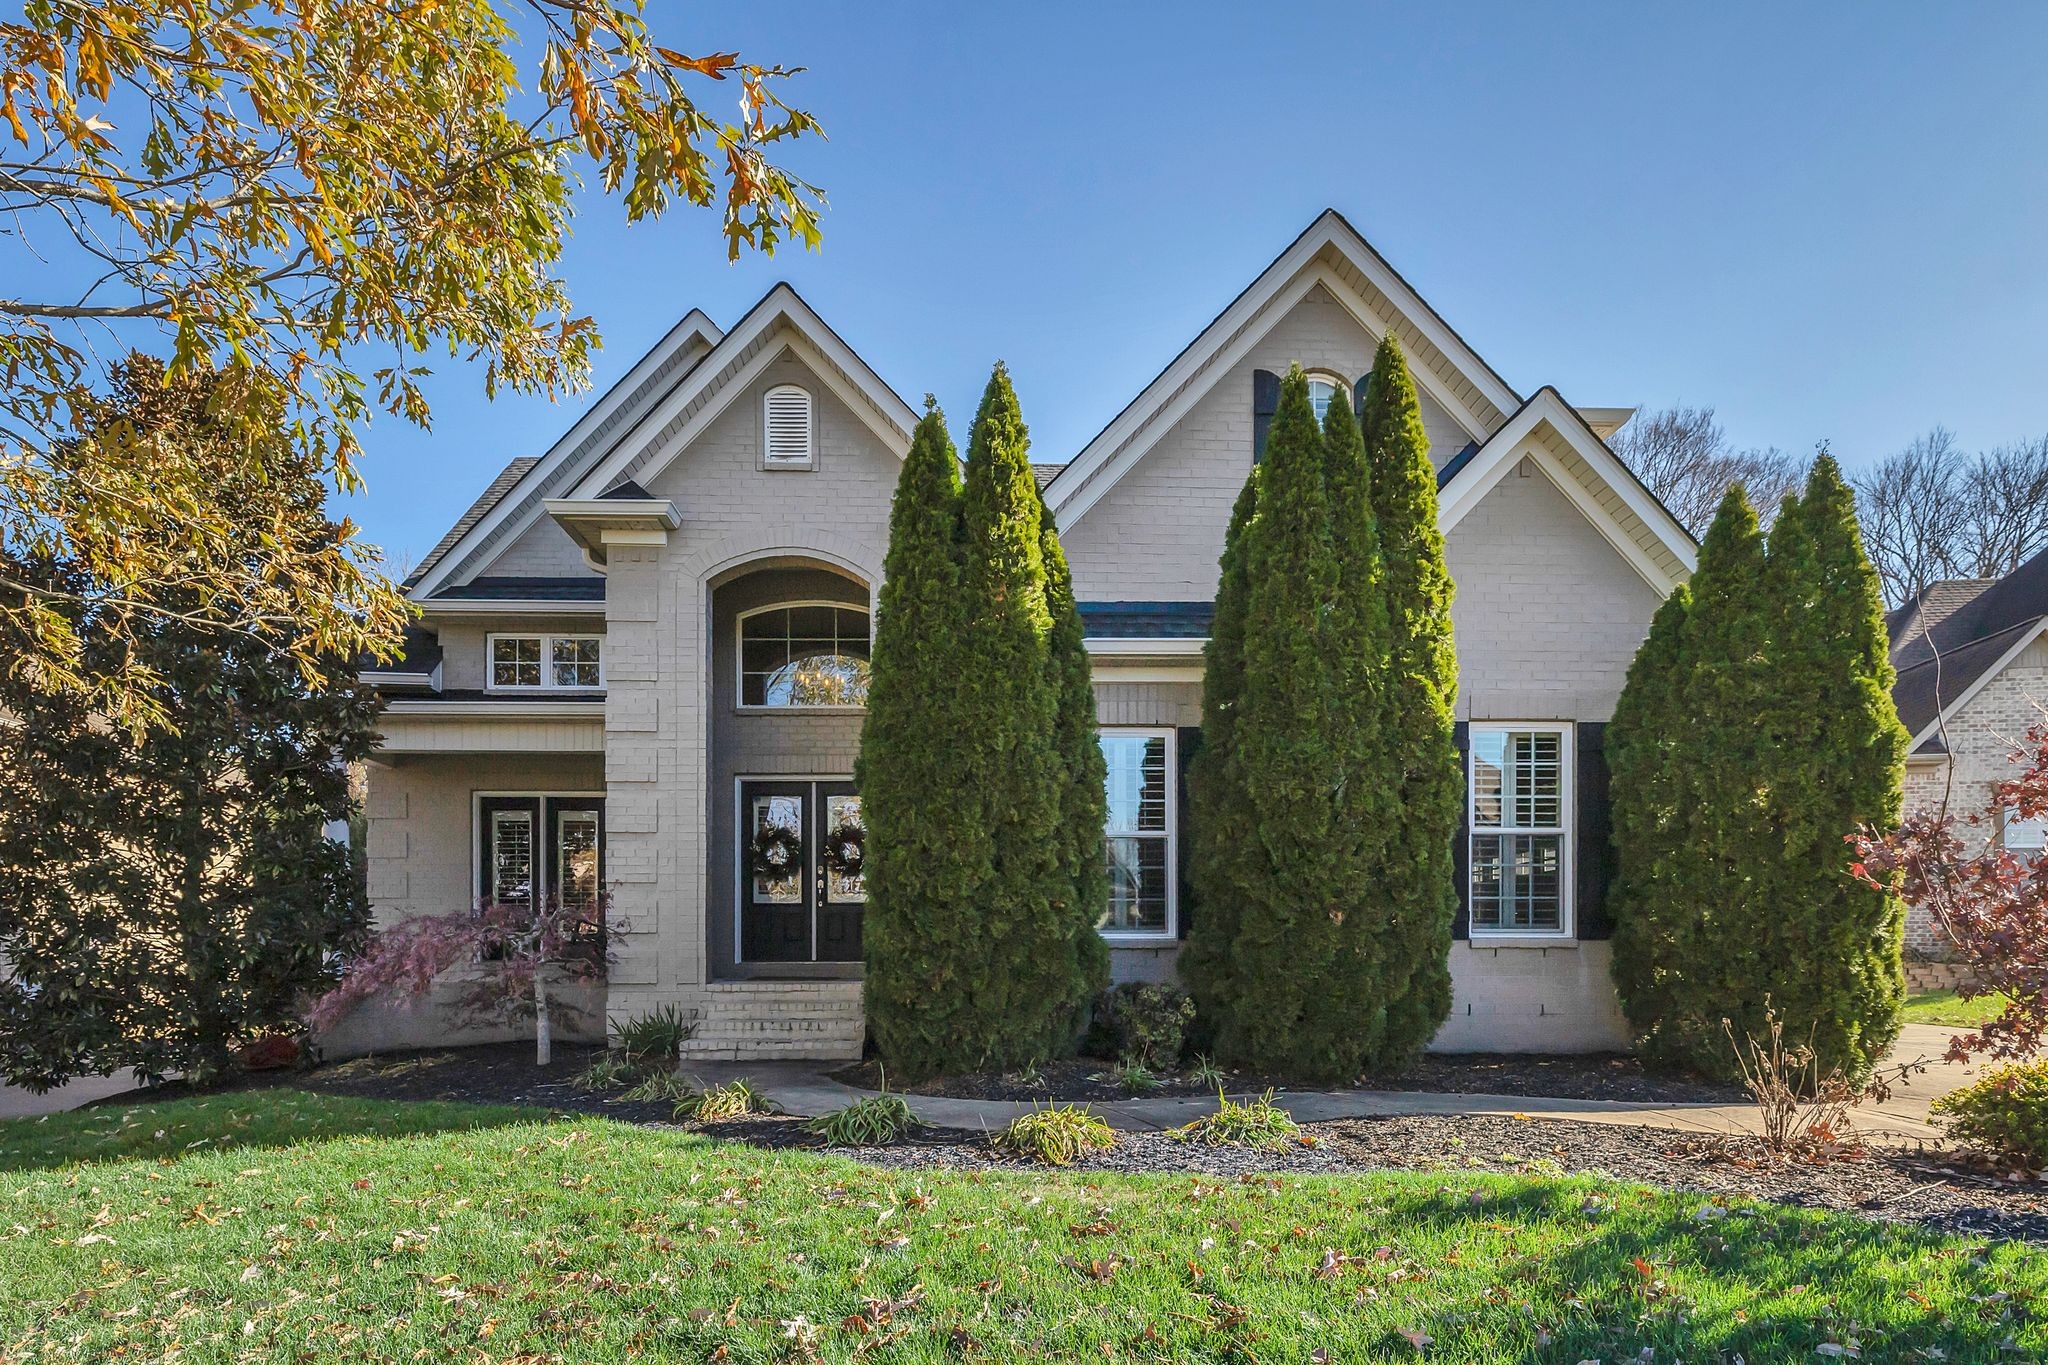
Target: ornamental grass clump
point(1055, 1135)
point(656, 1035)
point(2004, 1114)
point(733, 1100)
point(655, 1086)
point(1251, 1123)
point(867, 1122)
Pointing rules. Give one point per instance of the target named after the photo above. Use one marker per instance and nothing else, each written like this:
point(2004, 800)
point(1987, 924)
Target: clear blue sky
point(1824, 220)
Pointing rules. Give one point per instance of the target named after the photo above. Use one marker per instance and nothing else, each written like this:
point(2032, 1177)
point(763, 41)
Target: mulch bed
point(1932, 1187)
point(1598, 1076)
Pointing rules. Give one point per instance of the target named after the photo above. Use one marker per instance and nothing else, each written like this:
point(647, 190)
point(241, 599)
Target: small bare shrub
point(1804, 1111)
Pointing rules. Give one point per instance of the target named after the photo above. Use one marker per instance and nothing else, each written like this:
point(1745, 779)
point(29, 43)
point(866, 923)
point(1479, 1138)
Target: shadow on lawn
point(1797, 1278)
point(170, 1130)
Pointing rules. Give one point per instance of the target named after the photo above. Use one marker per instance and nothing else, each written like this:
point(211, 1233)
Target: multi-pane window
point(2021, 834)
point(1519, 787)
point(805, 654)
point(1322, 391)
point(1138, 833)
point(547, 661)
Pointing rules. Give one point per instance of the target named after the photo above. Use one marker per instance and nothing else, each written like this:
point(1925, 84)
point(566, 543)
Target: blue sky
point(1824, 220)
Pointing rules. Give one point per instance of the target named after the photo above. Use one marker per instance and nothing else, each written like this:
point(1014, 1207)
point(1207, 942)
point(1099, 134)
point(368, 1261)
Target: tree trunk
point(543, 1031)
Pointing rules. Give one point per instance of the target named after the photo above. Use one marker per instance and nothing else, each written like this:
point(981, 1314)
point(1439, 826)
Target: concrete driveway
point(16, 1103)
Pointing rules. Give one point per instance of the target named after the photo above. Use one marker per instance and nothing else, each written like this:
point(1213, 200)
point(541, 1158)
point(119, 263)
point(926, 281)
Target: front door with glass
point(801, 888)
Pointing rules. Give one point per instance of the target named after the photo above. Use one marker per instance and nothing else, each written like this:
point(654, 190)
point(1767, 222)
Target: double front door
point(801, 849)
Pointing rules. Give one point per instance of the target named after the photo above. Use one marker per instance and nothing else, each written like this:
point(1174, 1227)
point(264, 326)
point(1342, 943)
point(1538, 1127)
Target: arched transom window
point(804, 654)
point(1323, 387)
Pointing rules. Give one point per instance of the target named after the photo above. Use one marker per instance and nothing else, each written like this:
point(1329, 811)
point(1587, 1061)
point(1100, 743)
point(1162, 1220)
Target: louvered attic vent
point(790, 444)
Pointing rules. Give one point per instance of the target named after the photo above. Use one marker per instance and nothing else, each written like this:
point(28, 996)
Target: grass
point(867, 1122)
point(1054, 1135)
point(408, 1232)
point(1249, 1123)
point(735, 1099)
point(1946, 1007)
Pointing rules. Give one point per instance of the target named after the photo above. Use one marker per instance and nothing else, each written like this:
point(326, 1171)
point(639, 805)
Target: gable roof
point(1946, 658)
point(498, 517)
point(780, 322)
point(1931, 606)
point(1329, 253)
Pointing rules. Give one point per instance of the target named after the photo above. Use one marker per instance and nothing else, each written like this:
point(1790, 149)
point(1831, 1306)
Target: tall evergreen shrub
point(1416, 873)
point(926, 855)
point(1836, 764)
point(1034, 975)
point(1083, 800)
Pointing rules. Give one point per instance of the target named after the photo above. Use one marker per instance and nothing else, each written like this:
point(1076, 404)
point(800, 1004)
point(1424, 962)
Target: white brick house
point(1972, 666)
point(637, 648)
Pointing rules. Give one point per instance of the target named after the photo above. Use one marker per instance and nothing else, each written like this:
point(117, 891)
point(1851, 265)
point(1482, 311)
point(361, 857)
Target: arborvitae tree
point(1416, 873)
point(1289, 912)
point(1654, 925)
point(1083, 803)
point(926, 855)
point(1219, 819)
point(170, 896)
point(1033, 975)
point(1835, 764)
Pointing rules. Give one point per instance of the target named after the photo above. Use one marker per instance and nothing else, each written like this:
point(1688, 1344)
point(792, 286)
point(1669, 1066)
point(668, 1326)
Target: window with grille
point(543, 662)
point(1519, 785)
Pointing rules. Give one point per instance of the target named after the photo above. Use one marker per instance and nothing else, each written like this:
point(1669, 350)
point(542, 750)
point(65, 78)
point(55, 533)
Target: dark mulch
point(1598, 1076)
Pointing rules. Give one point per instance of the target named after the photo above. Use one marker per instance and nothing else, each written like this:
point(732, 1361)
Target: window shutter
point(1461, 852)
point(1359, 391)
point(789, 425)
point(1593, 834)
point(1187, 742)
point(1265, 402)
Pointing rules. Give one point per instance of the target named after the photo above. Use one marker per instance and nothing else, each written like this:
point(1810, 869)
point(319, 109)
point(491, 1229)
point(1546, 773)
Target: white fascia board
point(1150, 646)
point(1165, 399)
point(498, 710)
point(1964, 698)
point(385, 679)
point(878, 407)
point(694, 324)
point(445, 609)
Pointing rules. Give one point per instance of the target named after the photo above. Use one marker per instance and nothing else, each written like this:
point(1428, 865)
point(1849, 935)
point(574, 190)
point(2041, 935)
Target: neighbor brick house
point(638, 647)
point(1972, 661)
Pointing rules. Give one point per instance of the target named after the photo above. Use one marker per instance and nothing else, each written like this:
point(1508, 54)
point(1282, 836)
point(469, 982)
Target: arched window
point(1323, 388)
point(786, 420)
point(804, 655)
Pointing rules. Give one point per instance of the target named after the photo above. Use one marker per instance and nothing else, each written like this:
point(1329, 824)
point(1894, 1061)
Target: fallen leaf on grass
point(1416, 1337)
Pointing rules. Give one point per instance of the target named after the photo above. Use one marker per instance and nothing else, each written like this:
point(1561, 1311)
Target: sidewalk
point(804, 1090)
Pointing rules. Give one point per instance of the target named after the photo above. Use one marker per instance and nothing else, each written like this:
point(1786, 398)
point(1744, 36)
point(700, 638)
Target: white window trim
point(810, 456)
point(1568, 811)
point(1171, 933)
point(547, 660)
point(739, 659)
point(540, 849)
point(2009, 820)
point(1334, 380)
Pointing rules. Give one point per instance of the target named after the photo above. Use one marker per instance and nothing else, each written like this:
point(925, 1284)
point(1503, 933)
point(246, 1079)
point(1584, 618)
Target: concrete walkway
point(16, 1103)
point(804, 1090)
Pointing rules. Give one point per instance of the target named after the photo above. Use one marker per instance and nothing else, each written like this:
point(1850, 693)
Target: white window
point(790, 441)
point(1519, 786)
point(1323, 388)
point(2023, 835)
point(547, 662)
point(1138, 834)
point(804, 655)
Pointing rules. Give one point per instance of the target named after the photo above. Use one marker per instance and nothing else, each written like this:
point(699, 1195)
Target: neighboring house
point(640, 646)
point(1973, 676)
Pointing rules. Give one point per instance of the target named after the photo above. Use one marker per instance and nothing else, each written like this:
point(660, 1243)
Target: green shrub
point(866, 1122)
point(1145, 1022)
point(735, 1099)
point(1055, 1135)
point(610, 1071)
point(2005, 1114)
point(655, 1034)
point(1255, 1123)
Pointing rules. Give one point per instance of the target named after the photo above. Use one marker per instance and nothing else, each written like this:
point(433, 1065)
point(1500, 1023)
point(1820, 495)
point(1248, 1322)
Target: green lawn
point(1946, 1007)
point(292, 1227)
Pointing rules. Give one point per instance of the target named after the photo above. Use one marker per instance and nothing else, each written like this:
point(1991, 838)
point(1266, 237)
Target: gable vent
point(789, 426)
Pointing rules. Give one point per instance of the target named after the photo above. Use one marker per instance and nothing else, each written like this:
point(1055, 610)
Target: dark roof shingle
point(509, 476)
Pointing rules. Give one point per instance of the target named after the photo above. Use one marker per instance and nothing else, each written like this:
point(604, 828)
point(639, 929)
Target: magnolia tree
point(1988, 901)
point(517, 953)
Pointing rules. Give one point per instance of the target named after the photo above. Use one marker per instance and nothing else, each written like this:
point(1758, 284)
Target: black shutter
point(1359, 391)
point(1265, 402)
point(1593, 835)
point(1187, 742)
point(1461, 852)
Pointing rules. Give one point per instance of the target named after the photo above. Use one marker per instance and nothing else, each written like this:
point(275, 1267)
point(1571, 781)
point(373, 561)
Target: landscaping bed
point(1600, 1076)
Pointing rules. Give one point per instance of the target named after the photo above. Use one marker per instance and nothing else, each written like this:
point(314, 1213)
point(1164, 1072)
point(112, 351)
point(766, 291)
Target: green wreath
point(777, 851)
point(846, 849)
